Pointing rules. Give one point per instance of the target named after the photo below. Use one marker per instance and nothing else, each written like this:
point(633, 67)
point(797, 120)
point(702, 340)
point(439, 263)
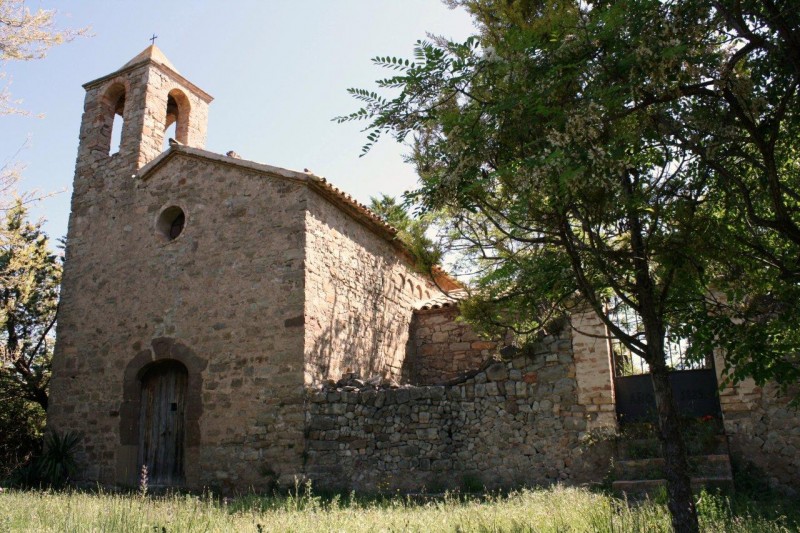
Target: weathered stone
point(322, 423)
point(402, 396)
point(531, 377)
point(497, 372)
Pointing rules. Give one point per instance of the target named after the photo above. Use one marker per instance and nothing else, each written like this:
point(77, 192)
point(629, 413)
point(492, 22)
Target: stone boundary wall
point(516, 423)
point(763, 429)
point(443, 348)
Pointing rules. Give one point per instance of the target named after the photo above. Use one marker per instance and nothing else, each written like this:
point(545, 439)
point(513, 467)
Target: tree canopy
point(640, 152)
point(554, 101)
point(30, 274)
point(24, 36)
point(29, 271)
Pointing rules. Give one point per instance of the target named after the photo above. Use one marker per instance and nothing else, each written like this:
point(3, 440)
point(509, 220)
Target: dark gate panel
point(162, 421)
point(695, 393)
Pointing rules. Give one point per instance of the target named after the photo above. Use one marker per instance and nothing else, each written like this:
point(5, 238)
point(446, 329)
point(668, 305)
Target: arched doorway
point(162, 423)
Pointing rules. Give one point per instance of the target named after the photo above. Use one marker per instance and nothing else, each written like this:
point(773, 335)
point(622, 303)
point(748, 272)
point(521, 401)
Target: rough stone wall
point(225, 298)
point(516, 423)
point(442, 347)
point(359, 298)
point(763, 429)
point(193, 114)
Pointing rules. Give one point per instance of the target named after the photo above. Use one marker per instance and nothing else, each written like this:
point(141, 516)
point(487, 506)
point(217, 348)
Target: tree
point(574, 148)
point(412, 230)
point(24, 36)
point(29, 272)
point(30, 275)
point(29, 281)
point(738, 115)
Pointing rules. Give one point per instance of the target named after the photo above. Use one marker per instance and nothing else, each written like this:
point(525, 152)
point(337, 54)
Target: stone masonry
point(763, 429)
point(443, 348)
point(593, 369)
point(276, 281)
point(514, 423)
point(359, 297)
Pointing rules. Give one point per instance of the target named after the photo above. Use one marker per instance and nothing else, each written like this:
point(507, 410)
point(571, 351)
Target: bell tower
point(109, 231)
point(149, 95)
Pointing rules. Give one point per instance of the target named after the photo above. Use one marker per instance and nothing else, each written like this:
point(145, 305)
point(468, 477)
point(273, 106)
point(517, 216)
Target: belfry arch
point(178, 113)
point(112, 110)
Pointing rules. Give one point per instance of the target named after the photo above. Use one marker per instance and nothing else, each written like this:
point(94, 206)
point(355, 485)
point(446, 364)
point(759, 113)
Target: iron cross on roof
point(153, 38)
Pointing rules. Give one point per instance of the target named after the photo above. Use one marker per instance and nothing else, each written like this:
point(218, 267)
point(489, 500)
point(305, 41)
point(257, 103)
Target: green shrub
point(57, 463)
point(21, 426)
point(53, 467)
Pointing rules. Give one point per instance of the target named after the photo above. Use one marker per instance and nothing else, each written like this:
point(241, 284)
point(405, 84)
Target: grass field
point(548, 510)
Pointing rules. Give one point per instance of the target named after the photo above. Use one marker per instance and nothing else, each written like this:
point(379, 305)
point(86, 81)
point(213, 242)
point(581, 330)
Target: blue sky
point(278, 71)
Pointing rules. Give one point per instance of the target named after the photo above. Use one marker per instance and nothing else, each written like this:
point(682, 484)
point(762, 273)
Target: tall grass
point(557, 509)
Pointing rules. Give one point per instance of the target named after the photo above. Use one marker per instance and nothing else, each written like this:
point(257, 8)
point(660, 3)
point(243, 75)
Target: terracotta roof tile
point(442, 300)
point(354, 203)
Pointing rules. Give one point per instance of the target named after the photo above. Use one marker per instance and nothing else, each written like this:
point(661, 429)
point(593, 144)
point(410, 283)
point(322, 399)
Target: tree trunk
point(40, 397)
point(676, 468)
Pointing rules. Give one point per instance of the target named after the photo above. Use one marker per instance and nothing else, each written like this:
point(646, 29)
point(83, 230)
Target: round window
point(170, 222)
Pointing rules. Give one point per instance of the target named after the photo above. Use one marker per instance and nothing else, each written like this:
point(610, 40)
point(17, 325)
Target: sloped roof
point(152, 53)
point(336, 196)
point(442, 300)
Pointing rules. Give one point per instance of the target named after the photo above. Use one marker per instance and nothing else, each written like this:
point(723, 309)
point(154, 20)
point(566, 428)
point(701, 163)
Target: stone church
point(216, 316)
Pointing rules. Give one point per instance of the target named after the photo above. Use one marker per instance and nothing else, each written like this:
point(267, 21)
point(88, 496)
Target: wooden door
point(162, 423)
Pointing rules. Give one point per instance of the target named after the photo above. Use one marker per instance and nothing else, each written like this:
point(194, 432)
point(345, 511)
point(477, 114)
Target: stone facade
point(134, 289)
point(359, 297)
point(443, 348)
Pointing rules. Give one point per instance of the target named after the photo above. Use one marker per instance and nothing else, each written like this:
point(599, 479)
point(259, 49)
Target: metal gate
point(694, 383)
point(694, 391)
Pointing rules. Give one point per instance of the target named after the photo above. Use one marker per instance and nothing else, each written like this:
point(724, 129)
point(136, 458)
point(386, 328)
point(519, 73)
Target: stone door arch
point(163, 351)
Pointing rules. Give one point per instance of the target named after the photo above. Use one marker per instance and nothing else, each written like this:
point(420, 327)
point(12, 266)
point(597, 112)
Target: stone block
point(323, 445)
point(482, 345)
point(531, 377)
point(402, 396)
point(497, 372)
point(322, 423)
